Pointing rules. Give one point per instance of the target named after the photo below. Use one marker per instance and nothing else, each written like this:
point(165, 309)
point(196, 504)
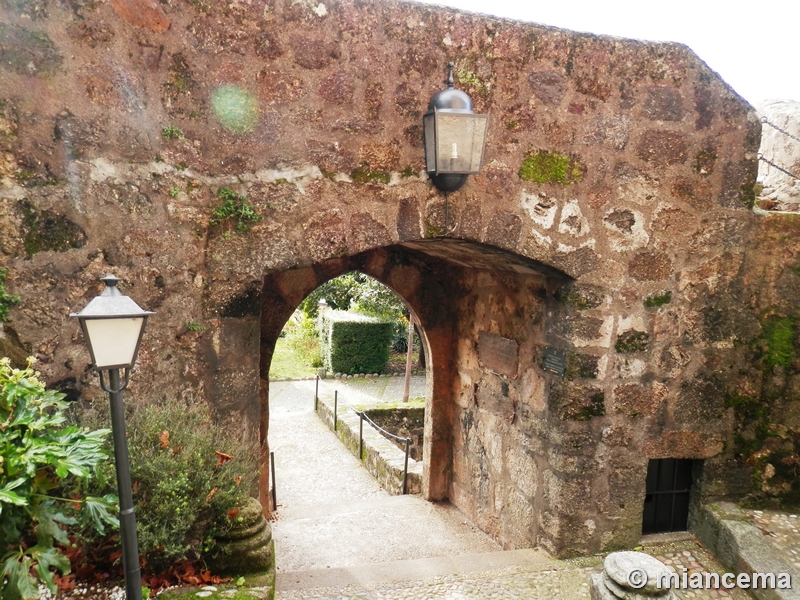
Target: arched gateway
point(575, 295)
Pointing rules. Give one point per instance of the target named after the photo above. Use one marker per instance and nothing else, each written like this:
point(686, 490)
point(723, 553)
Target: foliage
point(355, 290)
point(355, 343)
point(236, 208)
point(194, 326)
point(188, 472)
point(170, 132)
point(39, 458)
point(658, 299)
point(297, 352)
point(6, 300)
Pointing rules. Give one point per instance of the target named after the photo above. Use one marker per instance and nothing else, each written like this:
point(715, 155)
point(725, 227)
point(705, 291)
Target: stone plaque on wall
point(498, 354)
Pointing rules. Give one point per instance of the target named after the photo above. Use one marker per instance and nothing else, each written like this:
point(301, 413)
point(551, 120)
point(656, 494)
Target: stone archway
point(475, 358)
point(626, 166)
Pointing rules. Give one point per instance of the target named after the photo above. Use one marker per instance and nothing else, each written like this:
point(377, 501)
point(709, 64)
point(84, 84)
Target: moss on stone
point(632, 341)
point(779, 337)
point(595, 408)
point(431, 230)
point(28, 52)
point(47, 231)
point(551, 167)
point(362, 174)
point(658, 299)
point(408, 172)
point(581, 366)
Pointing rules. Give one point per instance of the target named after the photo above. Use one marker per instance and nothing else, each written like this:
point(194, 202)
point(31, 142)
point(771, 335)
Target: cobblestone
point(563, 580)
point(781, 529)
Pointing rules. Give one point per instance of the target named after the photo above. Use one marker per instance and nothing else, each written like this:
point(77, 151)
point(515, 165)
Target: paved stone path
point(338, 536)
point(782, 530)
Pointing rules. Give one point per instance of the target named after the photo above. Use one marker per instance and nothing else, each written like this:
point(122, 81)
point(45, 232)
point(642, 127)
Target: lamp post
point(113, 325)
point(455, 137)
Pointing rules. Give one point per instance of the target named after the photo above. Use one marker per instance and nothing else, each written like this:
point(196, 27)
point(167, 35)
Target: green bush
point(44, 466)
point(184, 483)
point(355, 343)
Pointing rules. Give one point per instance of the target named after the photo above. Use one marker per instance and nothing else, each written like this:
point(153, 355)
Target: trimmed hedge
point(355, 343)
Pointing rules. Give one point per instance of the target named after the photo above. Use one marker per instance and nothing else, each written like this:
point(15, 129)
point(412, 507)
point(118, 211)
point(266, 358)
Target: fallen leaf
point(211, 494)
point(223, 458)
point(232, 514)
point(163, 437)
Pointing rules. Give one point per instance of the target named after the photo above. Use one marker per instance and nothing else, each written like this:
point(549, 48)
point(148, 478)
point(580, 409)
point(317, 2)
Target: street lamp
point(113, 325)
point(455, 137)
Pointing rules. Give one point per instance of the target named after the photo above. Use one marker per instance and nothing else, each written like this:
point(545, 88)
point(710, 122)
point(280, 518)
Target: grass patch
point(297, 352)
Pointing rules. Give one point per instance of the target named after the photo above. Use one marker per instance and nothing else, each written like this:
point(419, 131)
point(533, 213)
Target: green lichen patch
point(6, 300)
point(47, 231)
point(543, 166)
point(475, 84)
point(632, 341)
point(780, 334)
point(236, 209)
point(658, 299)
point(28, 52)
point(362, 174)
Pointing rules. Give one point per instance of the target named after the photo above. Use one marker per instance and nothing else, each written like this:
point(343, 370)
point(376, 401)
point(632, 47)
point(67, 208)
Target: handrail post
point(405, 469)
point(335, 407)
point(316, 394)
point(361, 435)
point(274, 493)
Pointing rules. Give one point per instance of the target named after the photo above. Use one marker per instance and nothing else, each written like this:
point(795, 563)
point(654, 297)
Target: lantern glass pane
point(459, 142)
point(429, 125)
point(114, 341)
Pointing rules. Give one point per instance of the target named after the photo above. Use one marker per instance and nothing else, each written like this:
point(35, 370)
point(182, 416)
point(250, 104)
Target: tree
point(356, 291)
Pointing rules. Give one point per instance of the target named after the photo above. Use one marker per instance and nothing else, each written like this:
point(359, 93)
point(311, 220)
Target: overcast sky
point(754, 46)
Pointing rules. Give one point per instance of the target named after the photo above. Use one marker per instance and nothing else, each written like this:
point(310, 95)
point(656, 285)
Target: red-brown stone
point(143, 13)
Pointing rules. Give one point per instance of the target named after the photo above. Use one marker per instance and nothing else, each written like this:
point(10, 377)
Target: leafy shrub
point(43, 467)
point(188, 472)
point(354, 343)
point(235, 207)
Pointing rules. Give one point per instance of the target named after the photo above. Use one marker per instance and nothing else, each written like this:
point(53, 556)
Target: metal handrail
point(381, 429)
point(362, 415)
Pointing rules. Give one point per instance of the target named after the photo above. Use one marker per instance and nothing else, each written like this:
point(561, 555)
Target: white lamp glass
point(457, 142)
point(114, 341)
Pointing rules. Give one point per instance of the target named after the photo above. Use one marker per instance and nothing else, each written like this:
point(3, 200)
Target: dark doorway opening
point(666, 503)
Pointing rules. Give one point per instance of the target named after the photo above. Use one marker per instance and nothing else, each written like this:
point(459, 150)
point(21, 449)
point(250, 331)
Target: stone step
point(414, 569)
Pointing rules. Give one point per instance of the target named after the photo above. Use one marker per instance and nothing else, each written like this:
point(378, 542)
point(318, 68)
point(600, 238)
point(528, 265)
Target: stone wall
point(611, 222)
